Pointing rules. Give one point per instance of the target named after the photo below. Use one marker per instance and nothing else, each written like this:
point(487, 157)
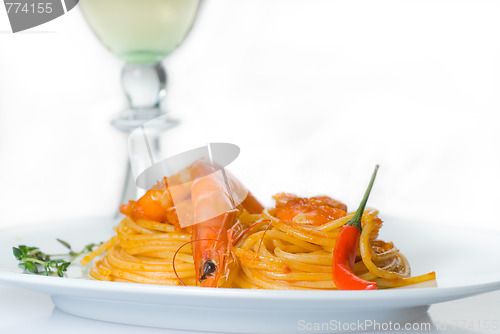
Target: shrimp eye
point(208, 269)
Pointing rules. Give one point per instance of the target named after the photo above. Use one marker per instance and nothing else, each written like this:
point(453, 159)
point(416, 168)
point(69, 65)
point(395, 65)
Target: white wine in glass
point(140, 31)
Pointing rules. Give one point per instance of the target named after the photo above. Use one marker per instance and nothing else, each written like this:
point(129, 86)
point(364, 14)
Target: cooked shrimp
point(213, 214)
point(156, 204)
point(316, 210)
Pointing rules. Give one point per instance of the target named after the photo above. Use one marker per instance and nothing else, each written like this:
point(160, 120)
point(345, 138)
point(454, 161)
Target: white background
point(314, 92)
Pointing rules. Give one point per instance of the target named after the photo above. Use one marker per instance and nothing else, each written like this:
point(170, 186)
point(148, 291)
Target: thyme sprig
point(34, 261)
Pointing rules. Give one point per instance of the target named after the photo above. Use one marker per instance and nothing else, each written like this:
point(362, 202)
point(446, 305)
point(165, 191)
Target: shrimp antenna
point(223, 171)
point(265, 231)
point(231, 234)
point(260, 221)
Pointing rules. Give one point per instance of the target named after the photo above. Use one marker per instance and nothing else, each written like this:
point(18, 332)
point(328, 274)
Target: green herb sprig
point(34, 261)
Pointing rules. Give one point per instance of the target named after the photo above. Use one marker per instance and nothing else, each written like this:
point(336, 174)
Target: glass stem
point(144, 86)
point(130, 190)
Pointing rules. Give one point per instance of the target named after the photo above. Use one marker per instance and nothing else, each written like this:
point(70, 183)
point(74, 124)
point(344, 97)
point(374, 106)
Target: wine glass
point(142, 33)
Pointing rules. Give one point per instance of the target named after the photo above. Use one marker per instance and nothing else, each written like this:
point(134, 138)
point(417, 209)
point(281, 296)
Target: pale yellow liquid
point(140, 31)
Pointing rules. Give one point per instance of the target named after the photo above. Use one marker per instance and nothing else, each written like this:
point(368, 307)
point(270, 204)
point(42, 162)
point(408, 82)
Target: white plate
point(465, 262)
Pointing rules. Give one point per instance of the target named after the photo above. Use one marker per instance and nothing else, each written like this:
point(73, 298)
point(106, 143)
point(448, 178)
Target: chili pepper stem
point(356, 219)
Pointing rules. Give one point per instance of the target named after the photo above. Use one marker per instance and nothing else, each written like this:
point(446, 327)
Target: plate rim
point(35, 282)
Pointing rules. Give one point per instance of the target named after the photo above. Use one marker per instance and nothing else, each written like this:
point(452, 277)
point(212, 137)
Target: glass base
point(130, 119)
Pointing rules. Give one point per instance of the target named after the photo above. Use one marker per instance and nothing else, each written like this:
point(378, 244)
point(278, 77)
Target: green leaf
point(65, 265)
point(26, 249)
point(90, 247)
point(17, 253)
point(31, 267)
point(64, 243)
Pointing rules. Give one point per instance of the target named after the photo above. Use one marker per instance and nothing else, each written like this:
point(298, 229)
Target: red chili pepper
point(344, 254)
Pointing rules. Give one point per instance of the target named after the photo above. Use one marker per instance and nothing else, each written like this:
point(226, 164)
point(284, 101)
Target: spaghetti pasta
point(271, 254)
point(142, 251)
